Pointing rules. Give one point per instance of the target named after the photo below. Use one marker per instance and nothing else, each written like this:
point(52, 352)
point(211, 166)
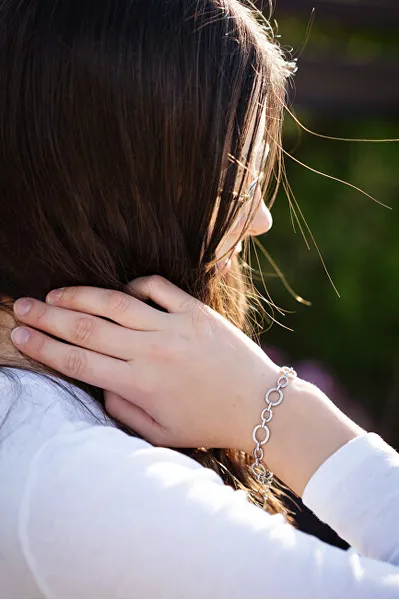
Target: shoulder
point(70, 441)
point(92, 458)
point(96, 496)
point(44, 403)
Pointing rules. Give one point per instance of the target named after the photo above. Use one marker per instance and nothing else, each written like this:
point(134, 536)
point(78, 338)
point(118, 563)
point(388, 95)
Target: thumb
point(134, 417)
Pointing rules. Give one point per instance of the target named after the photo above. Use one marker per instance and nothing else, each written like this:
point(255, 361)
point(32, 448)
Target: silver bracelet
point(262, 473)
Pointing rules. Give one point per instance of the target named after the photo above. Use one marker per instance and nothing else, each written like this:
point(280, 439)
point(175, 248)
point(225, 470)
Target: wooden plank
point(333, 86)
point(378, 13)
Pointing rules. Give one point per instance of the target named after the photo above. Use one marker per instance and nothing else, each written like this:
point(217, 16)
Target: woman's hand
point(182, 378)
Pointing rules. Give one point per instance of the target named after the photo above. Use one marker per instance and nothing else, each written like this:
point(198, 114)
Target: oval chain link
point(259, 470)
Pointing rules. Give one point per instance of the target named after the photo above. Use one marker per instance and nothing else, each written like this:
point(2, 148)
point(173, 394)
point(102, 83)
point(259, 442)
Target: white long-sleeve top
point(87, 511)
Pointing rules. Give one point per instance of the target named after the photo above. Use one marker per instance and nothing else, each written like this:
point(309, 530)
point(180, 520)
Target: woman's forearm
point(305, 430)
point(185, 378)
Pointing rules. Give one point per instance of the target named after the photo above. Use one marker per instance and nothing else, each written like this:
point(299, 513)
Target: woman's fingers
point(162, 292)
point(117, 306)
point(76, 363)
point(81, 329)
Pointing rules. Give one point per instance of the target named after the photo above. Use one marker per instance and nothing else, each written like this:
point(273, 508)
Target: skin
point(184, 378)
point(262, 220)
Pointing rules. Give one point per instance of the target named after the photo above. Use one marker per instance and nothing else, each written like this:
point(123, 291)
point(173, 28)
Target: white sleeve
point(105, 515)
point(356, 491)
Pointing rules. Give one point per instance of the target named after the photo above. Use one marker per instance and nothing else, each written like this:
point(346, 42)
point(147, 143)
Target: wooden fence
point(335, 84)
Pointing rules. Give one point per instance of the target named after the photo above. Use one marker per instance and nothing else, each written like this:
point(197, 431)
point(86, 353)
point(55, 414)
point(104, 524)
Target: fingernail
point(20, 336)
point(54, 296)
point(23, 306)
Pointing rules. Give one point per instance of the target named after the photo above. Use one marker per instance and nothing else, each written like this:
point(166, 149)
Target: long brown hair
point(119, 121)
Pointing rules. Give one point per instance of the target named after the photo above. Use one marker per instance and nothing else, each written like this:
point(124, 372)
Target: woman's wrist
point(305, 430)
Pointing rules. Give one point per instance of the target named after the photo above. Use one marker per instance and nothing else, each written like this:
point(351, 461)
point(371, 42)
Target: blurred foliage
point(354, 335)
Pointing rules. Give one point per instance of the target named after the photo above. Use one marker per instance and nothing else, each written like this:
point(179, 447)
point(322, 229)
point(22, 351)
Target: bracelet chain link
point(262, 473)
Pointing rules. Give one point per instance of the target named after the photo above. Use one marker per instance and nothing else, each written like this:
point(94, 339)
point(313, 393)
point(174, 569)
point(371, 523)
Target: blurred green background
point(347, 85)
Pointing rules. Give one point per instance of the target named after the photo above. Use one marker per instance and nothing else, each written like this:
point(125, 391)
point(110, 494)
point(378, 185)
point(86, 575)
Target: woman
point(134, 138)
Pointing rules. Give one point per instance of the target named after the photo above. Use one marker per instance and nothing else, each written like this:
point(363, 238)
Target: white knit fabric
point(89, 512)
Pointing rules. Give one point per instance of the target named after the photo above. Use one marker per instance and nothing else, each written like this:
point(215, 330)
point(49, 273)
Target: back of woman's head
point(118, 122)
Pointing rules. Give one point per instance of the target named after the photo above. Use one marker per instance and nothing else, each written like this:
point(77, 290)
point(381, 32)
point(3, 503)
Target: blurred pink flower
point(318, 374)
